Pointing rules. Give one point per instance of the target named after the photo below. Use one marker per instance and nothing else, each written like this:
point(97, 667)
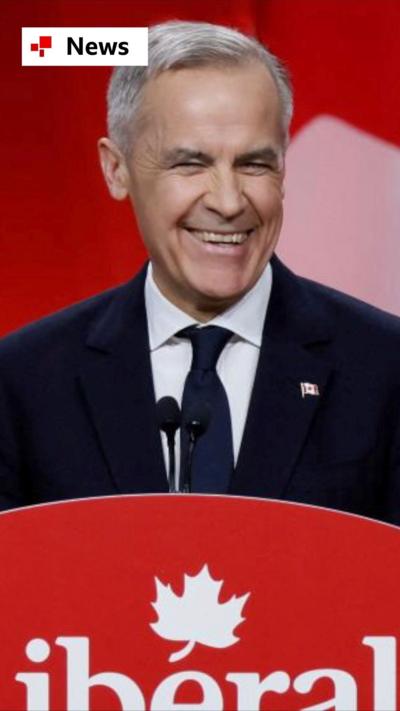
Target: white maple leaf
point(197, 616)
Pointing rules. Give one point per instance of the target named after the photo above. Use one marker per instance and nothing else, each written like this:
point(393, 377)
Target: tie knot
point(207, 344)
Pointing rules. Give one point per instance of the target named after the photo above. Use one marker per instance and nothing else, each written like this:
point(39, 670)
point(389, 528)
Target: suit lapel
point(279, 416)
point(118, 389)
point(279, 419)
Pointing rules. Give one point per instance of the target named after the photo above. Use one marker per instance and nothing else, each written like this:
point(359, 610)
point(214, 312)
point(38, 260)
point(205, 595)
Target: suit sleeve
point(391, 492)
point(11, 488)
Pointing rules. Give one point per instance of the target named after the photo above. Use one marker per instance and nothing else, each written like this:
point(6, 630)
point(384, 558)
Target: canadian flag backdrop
point(62, 238)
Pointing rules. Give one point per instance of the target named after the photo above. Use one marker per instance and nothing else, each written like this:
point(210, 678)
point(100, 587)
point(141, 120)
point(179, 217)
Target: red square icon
point(34, 47)
point(45, 42)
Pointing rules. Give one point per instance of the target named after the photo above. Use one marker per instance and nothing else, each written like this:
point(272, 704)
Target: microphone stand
point(169, 420)
point(196, 425)
point(172, 462)
point(187, 480)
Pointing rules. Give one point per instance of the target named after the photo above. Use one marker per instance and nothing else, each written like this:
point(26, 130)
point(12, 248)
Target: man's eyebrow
point(181, 155)
point(266, 154)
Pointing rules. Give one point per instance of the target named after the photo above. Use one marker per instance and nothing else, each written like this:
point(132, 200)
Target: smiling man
point(205, 175)
point(297, 386)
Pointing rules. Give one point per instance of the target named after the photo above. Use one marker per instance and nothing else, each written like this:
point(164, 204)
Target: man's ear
point(114, 168)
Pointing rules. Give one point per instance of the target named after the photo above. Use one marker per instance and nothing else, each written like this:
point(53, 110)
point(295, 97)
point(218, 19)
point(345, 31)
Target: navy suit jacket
point(77, 405)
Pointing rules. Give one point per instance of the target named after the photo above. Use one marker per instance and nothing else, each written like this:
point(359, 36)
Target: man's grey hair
point(178, 45)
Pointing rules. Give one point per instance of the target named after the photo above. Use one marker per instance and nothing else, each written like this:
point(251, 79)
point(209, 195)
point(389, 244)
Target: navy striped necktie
point(212, 464)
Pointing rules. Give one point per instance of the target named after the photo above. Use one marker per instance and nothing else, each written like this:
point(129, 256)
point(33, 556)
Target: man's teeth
point(233, 238)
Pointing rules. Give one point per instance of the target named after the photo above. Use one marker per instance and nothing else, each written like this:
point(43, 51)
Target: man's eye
point(187, 165)
point(258, 166)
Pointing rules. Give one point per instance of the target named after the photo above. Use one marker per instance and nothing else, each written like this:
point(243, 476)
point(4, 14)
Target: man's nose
point(225, 194)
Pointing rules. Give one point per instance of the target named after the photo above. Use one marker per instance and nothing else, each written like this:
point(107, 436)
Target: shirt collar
point(245, 318)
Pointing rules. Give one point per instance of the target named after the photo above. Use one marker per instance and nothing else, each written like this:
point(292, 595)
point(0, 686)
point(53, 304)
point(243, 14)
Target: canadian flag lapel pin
point(309, 389)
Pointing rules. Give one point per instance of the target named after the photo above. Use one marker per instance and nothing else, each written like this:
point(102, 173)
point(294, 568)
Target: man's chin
point(214, 301)
point(207, 296)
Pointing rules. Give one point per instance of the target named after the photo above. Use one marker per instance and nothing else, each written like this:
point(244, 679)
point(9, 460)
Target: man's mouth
point(228, 238)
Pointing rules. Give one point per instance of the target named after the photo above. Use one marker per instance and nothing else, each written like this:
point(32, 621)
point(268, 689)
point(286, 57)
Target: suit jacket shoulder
point(336, 444)
point(70, 325)
point(77, 406)
point(307, 311)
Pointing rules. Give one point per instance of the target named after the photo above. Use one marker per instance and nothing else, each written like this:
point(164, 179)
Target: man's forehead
point(181, 83)
point(182, 112)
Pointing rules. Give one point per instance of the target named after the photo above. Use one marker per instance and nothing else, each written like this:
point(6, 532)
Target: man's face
point(205, 179)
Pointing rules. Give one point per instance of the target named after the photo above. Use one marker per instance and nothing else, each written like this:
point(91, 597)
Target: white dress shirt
point(171, 357)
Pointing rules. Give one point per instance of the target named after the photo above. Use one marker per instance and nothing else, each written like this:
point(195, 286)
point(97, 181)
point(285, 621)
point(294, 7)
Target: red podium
point(197, 602)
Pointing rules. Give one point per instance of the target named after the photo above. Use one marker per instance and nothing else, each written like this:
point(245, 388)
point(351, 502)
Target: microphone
point(196, 423)
point(169, 420)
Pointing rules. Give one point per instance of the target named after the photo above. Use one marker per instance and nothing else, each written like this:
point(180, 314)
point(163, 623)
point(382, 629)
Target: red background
point(61, 237)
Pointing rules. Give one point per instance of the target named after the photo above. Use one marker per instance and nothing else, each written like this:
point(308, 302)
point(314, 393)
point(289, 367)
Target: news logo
point(84, 46)
point(43, 44)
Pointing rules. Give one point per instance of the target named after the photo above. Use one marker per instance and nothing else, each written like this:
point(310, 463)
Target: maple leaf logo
point(197, 616)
